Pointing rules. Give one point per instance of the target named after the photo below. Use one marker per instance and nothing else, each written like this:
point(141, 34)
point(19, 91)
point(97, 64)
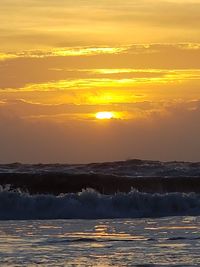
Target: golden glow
point(87, 51)
point(6, 56)
point(104, 115)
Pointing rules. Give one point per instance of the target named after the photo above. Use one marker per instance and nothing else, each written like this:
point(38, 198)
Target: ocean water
point(68, 215)
point(168, 241)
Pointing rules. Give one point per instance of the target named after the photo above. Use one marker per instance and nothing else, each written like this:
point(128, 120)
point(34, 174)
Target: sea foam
point(89, 204)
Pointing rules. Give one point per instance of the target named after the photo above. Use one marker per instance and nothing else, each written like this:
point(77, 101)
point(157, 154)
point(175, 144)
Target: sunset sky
point(63, 61)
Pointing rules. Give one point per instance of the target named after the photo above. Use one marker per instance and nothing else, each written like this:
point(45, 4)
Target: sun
point(104, 115)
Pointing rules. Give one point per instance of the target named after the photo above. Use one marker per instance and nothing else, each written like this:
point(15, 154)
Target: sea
point(90, 228)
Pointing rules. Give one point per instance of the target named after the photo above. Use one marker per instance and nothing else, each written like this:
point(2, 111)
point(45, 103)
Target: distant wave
point(132, 168)
point(88, 204)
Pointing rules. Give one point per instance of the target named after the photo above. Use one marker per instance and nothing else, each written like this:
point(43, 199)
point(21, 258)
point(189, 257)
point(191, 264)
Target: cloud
point(129, 66)
point(94, 22)
point(43, 65)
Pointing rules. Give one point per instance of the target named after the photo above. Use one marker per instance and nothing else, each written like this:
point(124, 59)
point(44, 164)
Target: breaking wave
point(88, 204)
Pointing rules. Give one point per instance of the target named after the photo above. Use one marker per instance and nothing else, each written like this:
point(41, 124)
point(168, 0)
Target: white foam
point(89, 204)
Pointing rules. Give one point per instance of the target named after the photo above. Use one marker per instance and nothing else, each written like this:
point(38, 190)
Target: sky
point(62, 62)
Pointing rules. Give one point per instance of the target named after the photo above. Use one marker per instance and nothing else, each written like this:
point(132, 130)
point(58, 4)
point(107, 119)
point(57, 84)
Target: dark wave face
point(106, 178)
point(89, 204)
